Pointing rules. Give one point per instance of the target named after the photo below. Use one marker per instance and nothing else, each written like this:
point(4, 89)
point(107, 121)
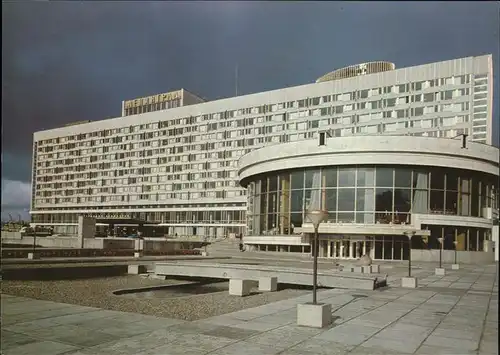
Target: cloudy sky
point(71, 61)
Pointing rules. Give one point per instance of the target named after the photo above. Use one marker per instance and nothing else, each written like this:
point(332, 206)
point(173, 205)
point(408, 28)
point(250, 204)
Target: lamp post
point(409, 234)
point(455, 242)
point(316, 217)
point(441, 239)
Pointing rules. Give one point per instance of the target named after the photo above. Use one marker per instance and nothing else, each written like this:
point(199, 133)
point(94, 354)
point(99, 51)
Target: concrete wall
point(73, 242)
point(86, 229)
point(378, 150)
point(494, 238)
point(465, 257)
point(10, 235)
point(46, 242)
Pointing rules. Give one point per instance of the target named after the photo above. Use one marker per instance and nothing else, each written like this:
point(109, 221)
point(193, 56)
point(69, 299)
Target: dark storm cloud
point(70, 61)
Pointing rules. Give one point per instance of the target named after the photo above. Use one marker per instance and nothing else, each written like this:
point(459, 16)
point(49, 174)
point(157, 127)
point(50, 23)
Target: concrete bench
point(268, 284)
point(240, 287)
point(136, 269)
point(33, 256)
point(369, 269)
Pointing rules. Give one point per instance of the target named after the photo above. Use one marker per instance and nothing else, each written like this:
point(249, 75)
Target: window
point(297, 179)
point(384, 177)
point(347, 177)
point(383, 199)
point(437, 201)
point(402, 177)
point(346, 199)
point(365, 177)
point(390, 102)
point(429, 97)
point(402, 201)
point(330, 177)
point(365, 200)
point(447, 95)
point(437, 179)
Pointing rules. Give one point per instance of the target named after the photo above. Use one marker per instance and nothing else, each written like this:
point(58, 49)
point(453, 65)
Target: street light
point(409, 234)
point(316, 217)
point(441, 239)
point(455, 242)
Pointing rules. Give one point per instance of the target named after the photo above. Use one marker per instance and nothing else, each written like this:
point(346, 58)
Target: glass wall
point(468, 238)
point(277, 201)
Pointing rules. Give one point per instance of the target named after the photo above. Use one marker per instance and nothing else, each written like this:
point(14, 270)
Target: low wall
point(448, 256)
point(103, 243)
point(64, 273)
point(45, 242)
point(85, 253)
point(11, 235)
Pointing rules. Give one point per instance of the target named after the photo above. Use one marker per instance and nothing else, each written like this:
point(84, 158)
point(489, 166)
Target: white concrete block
point(268, 284)
point(440, 271)
point(357, 269)
point(314, 315)
point(33, 256)
point(455, 266)
point(136, 269)
point(375, 269)
point(137, 254)
point(367, 269)
point(240, 287)
point(204, 253)
point(409, 282)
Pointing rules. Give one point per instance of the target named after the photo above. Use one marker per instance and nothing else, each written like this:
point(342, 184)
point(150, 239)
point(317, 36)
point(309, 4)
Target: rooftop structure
point(358, 69)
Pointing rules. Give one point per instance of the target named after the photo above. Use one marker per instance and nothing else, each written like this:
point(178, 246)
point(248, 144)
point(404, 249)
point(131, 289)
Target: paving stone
point(136, 328)
point(40, 347)
point(408, 346)
point(255, 325)
point(198, 342)
point(318, 347)
point(231, 333)
point(351, 339)
point(280, 339)
point(362, 350)
point(27, 317)
point(456, 333)
point(399, 330)
point(195, 327)
point(10, 339)
point(168, 349)
point(434, 350)
point(489, 346)
point(244, 348)
point(453, 343)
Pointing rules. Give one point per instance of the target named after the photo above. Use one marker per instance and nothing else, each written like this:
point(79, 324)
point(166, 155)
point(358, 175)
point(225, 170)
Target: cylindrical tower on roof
point(358, 69)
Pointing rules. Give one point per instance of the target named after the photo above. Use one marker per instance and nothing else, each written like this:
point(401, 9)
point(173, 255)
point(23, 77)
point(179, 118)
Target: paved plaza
point(455, 314)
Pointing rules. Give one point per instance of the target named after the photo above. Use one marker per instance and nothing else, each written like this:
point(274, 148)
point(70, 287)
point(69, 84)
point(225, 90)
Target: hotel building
point(170, 163)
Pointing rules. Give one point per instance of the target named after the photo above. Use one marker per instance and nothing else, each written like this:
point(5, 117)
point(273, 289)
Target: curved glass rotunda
point(375, 189)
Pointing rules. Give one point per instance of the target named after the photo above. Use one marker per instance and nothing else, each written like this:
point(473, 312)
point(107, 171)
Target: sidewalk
point(456, 314)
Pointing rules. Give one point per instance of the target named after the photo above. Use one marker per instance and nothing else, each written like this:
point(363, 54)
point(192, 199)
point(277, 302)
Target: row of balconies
point(386, 96)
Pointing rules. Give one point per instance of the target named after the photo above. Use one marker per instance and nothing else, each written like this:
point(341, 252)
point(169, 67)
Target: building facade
point(175, 168)
point(376, 190)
